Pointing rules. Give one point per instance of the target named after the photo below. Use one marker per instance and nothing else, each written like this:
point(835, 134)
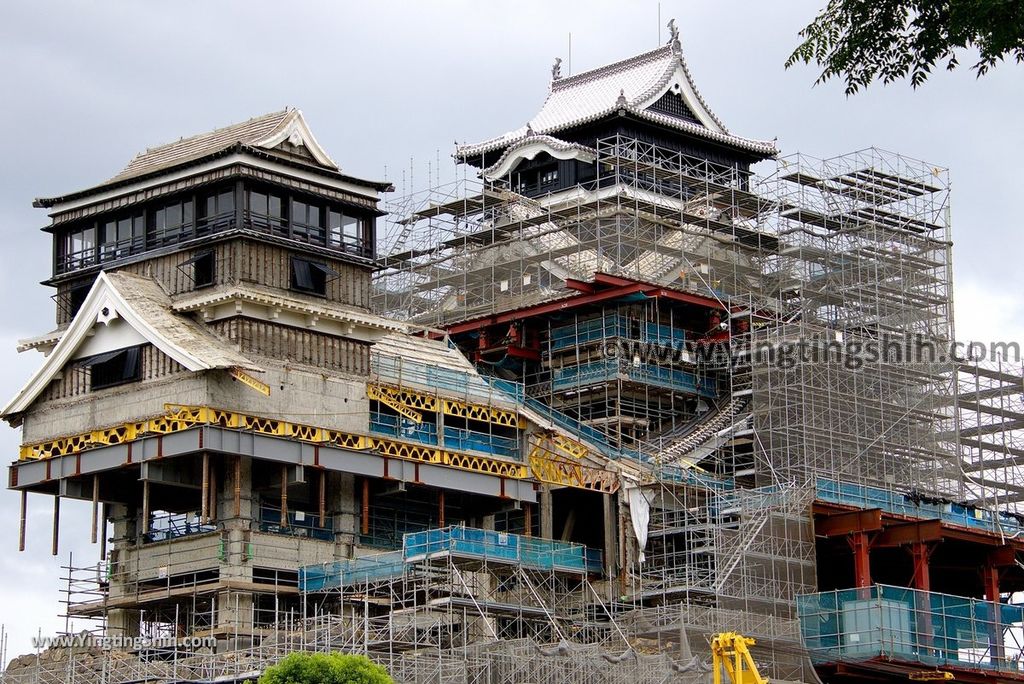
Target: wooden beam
point(284, 496)
point(56, 525)
point(238, 486)
point(365, 522)
point(204, 504)
point(323, 497)
point(95, 505)
point(838, 524)
point(145, 506)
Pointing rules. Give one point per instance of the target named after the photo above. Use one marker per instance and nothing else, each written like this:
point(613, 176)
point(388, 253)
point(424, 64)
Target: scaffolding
point(765, 343)
point(837, 377)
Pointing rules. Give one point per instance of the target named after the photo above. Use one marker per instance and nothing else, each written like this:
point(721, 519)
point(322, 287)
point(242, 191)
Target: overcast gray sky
point(87, 85)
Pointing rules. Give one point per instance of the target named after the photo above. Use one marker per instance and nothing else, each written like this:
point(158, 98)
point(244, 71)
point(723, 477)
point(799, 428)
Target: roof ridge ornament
point(621, 101)
point(556, 69)
point(673, 39)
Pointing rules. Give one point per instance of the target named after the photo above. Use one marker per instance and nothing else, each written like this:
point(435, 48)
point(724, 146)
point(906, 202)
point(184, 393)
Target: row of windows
point(188, 218)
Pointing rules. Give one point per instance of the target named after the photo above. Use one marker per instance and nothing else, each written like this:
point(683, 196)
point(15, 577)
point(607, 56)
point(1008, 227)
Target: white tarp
point(640, 514)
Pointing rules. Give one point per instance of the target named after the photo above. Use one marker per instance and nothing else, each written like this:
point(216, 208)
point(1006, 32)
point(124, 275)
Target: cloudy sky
point(87, 85)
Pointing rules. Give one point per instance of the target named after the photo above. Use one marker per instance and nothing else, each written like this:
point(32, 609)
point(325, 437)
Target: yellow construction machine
point(730, 652)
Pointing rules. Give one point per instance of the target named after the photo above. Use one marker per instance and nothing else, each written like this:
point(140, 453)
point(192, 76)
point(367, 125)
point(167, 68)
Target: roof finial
point(674, 35)
point(621, 101)
point(556, 69)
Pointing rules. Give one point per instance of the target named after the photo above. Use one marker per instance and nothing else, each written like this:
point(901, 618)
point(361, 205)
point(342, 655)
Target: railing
point(403, 428)
point(351, 572)
point(398, 371)
point(915, 505)
point(108, 252)
point(173, 525)
point(454, 542)
point(913, 626)
point(300, 524)
point(607, 370)
point(611, 326)
point(530, 552)
point(454, 438)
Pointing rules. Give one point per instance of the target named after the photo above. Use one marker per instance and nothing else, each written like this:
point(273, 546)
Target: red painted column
point(920, 552)
point(861, 546)
point(990, 580)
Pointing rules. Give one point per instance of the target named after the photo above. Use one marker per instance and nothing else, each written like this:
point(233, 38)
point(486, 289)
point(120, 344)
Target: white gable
point(124, 310)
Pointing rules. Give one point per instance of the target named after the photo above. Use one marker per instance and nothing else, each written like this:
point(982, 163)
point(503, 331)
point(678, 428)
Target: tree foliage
point(325, 668)
point(861, 41)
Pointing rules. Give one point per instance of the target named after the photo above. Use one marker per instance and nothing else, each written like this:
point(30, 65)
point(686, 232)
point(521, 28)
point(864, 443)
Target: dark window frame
point(215, 210)
point(161, 232)
point(310, 277)
point(114, 368)
point(204, 269)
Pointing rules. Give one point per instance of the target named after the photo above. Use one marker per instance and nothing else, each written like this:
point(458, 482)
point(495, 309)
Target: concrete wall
point(48, 419)
point(297, 395)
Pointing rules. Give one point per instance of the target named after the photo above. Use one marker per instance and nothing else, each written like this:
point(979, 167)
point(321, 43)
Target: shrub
point(325, 668)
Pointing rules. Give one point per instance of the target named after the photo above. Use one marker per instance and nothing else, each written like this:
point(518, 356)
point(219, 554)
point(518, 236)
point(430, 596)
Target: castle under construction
point(610, 394)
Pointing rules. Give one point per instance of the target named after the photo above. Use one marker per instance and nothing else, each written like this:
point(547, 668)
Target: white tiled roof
point(631, 85)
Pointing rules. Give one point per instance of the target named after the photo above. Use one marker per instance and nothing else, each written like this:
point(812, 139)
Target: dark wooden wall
point(306, 347)
point(74, 380)
point(239, 261)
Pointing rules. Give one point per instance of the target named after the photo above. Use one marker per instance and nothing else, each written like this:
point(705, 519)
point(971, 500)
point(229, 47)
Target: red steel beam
point(550, 307)
point(1002, 557)
point(614, 287)
point(916, 532)
point(838, 524)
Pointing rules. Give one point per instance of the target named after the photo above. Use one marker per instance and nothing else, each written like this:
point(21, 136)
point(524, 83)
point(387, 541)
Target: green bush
point(325, 668)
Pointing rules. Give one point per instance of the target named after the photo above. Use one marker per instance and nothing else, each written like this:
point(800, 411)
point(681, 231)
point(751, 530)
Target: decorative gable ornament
point(296, 131)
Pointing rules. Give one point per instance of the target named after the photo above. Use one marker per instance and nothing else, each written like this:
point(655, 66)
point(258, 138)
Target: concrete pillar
point(235, 510)
point(234, 619)
point(342, 500)
point(234, 494)
point(122, 622)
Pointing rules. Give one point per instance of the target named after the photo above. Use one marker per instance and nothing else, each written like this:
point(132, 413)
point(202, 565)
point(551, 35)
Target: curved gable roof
point(142, 304)
point(632, 85)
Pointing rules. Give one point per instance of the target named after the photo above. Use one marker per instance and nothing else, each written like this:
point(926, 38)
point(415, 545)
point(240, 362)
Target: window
point(80, 248)
point(123, 236)
point(310, 276)
point(266, 212)
point(549, 177)
point(217, 211)
point(307, 222)
point(115, 367)
point(203, 267)
point(173, 223)
point(76, 297)
point(345, 231)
